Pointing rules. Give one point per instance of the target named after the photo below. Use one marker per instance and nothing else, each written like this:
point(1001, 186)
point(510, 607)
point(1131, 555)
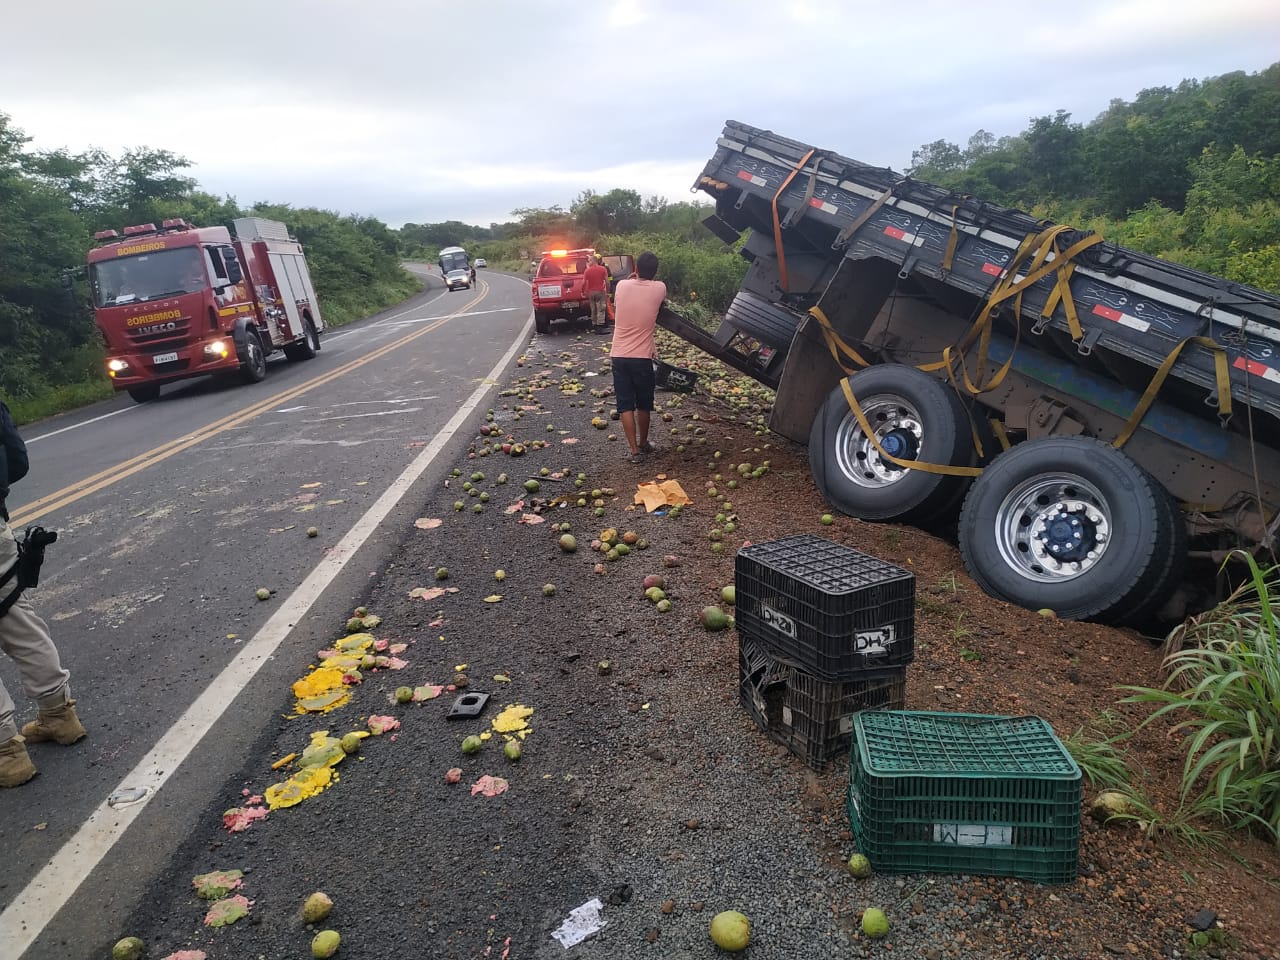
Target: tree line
point(1190, 173)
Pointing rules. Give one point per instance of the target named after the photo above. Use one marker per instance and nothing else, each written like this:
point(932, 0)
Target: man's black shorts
point(633, 381)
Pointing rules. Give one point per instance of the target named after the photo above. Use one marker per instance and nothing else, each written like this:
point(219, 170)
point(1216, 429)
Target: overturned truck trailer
point(1087, 416)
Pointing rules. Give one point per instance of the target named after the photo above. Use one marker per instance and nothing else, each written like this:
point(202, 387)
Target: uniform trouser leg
point(25, 639)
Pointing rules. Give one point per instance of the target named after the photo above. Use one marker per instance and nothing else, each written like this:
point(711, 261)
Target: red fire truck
point(183, 301)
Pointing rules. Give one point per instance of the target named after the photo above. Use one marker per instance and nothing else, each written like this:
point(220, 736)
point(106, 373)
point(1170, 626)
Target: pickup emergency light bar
point(139, 229)
point(106, 235)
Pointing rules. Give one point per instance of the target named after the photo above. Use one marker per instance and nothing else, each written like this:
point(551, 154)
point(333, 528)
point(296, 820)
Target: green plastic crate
point(964, 793)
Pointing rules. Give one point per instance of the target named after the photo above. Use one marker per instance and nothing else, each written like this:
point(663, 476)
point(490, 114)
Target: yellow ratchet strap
point(1222, 375)
point(1033, 256)
point(777, 224)
point(952, 241)
point(835, 344)
point(1044, 243)
point(838, 347)
point(920, 465)
point(1002, 435)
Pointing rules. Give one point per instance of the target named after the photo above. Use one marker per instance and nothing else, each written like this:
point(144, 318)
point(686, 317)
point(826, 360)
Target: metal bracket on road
point(468, 705)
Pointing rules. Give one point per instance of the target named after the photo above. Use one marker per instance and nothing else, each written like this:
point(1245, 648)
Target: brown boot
point(16, 767)
point(60, 724)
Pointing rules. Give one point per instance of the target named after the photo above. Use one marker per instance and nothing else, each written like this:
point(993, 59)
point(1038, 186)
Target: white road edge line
point(35, 907)
point(77, 426)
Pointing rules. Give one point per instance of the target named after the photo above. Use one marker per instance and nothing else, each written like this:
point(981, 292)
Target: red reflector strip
point(1257, 369)
point(751, 177)
point(992, 268)
point(822, 205)
point(1121, 318)
point(895, 233)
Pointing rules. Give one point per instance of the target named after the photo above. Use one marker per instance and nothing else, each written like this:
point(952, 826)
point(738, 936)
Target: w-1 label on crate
point(973, 834)
point(874, 643)
point(779, 621)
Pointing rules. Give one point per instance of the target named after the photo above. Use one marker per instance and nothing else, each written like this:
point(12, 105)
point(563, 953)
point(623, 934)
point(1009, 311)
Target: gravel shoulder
point(644, 783)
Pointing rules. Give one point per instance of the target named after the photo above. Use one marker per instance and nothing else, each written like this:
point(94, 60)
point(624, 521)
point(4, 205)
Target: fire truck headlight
point(117, 366)
point(216, 348)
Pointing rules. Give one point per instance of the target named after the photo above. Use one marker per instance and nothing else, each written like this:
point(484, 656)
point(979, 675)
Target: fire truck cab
point(181, 301)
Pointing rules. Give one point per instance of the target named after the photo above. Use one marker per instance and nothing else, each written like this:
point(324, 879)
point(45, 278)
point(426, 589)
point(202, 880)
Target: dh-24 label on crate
point(779, 621)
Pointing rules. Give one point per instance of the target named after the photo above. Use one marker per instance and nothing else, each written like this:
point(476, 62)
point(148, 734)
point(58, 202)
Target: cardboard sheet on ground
point(668, 493)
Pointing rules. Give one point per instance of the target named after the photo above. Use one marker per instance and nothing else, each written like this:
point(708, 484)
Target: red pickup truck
point(558, 286)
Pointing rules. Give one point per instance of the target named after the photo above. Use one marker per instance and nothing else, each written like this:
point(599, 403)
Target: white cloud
point(433, 111)
point(625, 13)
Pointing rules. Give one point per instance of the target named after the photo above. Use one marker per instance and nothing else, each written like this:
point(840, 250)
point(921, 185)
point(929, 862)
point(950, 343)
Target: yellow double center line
point(105, 478)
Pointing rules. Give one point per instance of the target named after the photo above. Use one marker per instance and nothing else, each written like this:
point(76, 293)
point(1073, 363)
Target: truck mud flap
point(757, 317)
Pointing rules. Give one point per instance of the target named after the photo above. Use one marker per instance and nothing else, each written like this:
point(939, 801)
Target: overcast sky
point(428, 111)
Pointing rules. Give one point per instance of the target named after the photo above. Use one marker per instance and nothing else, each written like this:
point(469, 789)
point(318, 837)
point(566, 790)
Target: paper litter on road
point(582, 922)
point(655, 495)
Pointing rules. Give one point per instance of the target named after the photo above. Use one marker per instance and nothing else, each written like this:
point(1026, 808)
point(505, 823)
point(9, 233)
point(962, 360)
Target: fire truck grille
point(172, 336)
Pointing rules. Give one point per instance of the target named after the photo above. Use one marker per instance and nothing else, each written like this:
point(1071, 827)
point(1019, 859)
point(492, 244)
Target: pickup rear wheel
point(145, 392)
point(1073, 525)
point(253, 361)
point(541, 322)
point(913, 417)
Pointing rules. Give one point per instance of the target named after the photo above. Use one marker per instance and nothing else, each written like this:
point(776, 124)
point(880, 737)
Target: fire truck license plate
point(572, 303)
point(549, 290)
point(164, 358)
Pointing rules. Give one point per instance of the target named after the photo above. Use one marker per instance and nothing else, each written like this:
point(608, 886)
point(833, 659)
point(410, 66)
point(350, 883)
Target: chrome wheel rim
point(896, 426)
point(1053, 527)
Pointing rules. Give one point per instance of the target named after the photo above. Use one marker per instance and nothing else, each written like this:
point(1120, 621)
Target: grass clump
point(1223, 692)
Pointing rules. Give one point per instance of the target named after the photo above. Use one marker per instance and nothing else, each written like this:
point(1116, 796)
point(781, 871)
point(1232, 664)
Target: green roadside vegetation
point(51, 204)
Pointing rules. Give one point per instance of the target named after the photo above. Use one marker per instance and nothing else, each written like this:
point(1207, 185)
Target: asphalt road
point(170, 516)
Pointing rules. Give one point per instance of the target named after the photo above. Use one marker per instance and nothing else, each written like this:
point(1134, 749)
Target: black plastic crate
point(825, 607)
point(812, 718)
point(964, 793)
point(675, 379)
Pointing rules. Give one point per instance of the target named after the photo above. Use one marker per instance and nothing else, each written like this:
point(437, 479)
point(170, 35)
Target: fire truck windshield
point(148, 276)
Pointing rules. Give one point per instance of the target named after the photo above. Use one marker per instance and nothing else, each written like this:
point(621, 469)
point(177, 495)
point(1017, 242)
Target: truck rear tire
point(1073, 525)
point(1173, 561)
point(541, 322)
point(915, 417)
point(145, 392)
point(307, 347)
point(253, 361)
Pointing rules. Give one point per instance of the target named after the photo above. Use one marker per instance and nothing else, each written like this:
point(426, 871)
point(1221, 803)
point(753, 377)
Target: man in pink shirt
point(595, 280)
point(636, 302)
